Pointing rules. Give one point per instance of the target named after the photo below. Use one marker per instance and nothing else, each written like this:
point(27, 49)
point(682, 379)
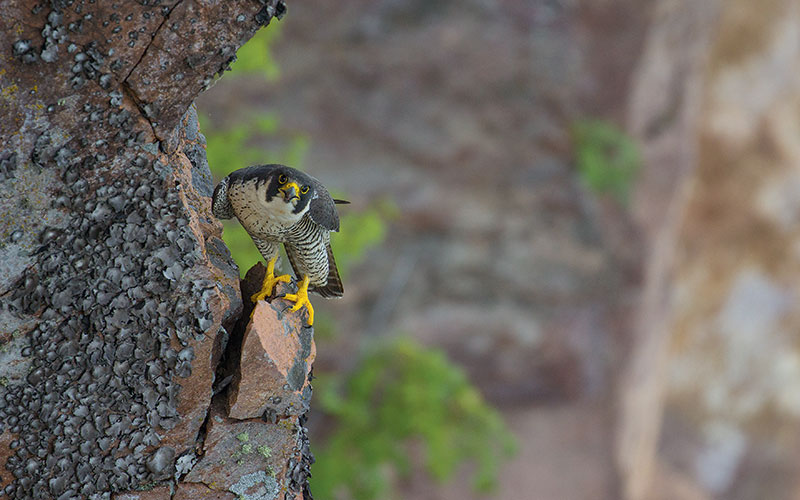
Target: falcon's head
point(289, 187)
point(277, 193)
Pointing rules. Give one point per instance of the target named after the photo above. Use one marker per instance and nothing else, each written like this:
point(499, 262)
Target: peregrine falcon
point(279, 204)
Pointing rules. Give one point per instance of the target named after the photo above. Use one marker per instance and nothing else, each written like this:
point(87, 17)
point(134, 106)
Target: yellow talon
point(270, 280)
point(301, 299)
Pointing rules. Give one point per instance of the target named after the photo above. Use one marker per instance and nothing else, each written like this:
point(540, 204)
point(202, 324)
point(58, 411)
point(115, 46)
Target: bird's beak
point(290, 191)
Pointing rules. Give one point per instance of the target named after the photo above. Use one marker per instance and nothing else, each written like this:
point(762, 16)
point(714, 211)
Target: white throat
point(279, 210)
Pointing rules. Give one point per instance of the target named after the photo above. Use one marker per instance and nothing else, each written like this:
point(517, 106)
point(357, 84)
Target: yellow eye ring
point(282, 179)
point(304, 190)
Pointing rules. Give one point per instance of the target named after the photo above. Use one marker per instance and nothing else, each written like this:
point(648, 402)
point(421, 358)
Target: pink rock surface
point(276, 357)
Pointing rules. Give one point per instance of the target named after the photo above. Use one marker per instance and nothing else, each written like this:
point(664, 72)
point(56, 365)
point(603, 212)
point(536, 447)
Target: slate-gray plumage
point(278, 204)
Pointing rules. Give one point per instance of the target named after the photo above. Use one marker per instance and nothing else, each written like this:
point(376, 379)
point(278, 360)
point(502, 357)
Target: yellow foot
point(300, 299)
point(270, 280)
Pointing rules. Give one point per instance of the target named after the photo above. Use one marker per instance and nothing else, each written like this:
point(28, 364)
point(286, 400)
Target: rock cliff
point(122, 370)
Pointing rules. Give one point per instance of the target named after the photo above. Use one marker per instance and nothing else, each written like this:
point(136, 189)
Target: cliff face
point(118, 298)
point(711, 399)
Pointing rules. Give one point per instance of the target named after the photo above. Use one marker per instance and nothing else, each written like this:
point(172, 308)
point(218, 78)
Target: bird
point(277, 205)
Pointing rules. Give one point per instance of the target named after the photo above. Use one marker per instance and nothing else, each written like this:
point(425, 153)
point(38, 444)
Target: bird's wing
point(323, 209)
point(220, 205)
point(333, 288)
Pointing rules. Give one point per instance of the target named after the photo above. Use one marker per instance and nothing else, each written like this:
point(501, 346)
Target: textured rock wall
point(717, 368)
point(118, 299)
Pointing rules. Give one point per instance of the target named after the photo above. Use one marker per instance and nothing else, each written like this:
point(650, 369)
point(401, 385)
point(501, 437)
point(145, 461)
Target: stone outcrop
point(271, 374)
point(118, 299)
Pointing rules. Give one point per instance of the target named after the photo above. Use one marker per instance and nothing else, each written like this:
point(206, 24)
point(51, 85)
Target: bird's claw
point(270, 280)
point(300, 299)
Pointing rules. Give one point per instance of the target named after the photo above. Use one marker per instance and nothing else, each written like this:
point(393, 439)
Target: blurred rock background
point(589, 206)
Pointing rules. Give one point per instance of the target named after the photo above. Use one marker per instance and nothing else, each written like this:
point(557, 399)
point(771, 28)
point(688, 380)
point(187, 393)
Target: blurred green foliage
point(607, 158)
point(403, 394)
point(255, 57)
point(362, 231)
point(398, 394)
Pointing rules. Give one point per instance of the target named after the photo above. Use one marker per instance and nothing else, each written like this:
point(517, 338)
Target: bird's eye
point(304, 190)
point(282, 179)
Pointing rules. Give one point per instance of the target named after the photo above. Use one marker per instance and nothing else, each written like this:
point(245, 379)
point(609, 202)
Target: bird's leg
point(300, 299)
point(270, 280)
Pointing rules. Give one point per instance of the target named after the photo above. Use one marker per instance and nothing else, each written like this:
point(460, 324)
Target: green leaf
point(607, 159)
